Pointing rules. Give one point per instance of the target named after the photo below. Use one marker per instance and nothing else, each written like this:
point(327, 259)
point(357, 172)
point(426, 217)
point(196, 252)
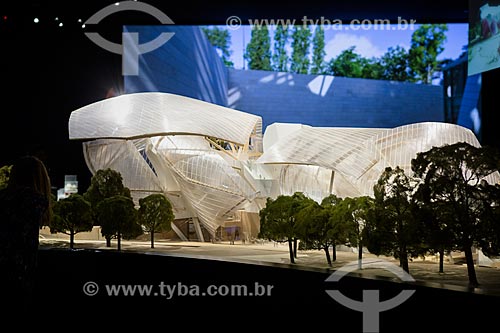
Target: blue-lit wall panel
point(187, 65)
point(320, 100)
point(469, 114)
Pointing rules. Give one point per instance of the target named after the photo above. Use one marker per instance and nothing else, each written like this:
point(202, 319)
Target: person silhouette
point(24, 208)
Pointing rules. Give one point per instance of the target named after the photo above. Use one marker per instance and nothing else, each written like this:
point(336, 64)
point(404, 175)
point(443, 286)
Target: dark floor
point(281, 297)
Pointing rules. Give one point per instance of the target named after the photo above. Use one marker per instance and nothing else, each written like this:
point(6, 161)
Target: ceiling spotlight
point(36, 20)
point(83, 26)
point(79, 20)
point(61, 24)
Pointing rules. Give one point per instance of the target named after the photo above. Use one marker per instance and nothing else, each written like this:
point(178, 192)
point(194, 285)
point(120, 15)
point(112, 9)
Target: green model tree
point(258, 51)
point(4, 175)
point(301, 42)
point(72, 215)
point(318, 56)
point(491, 216)
point(280, 56)
point(438, 236)
point(155, 214)
point(426, 45)
point(453, 179)
point(105, 183)
point(340, 229)
point(117, 217)
point(354, 212)
point(221, 40)
point(278, 220)
point(391, 227)
point(314, 229)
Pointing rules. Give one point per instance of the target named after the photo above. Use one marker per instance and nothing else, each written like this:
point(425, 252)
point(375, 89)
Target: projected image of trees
point(484, 37)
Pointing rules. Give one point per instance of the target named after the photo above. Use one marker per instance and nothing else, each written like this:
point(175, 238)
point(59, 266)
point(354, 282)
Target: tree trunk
point(119, 241)
point(441, 261)
point(360, 255)
point(334, 253)
point(152, 238)
point(470, 267)
point(71, 239)
point(403, 260)
point(327, 253)
point(290, 248)
point(108, 241)
point(295, 247)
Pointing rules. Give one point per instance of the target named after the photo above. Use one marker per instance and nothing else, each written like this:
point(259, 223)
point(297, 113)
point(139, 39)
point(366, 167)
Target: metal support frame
point(197, 227)
point(178, 232)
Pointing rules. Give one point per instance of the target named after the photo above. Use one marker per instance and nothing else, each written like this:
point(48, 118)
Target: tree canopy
point(105, 183)
point(117, 217)
point(318, 53)
point(426, 45)
point(391, 227)
point(395, 66)
point(314, 229)
point(4, 175)
point(350, 64)
point(72, 215)
point(453, 182)
point(221, 40)
point(278, 219)
point(258, 50)
point(280, 56)
point(301, 42)
point(155, 214)
point(419, 63)
point(355, 213)
point(341, 229)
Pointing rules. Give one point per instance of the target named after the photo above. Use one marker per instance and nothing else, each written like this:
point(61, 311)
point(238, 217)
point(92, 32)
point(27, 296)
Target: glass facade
point(209, 160)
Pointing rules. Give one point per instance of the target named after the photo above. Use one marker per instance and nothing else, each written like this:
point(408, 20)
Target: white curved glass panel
point(154, 113)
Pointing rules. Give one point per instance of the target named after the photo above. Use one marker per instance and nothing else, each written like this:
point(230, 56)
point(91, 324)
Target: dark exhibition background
point(48, 71)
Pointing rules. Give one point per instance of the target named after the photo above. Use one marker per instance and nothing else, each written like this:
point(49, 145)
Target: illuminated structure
point(216, 167)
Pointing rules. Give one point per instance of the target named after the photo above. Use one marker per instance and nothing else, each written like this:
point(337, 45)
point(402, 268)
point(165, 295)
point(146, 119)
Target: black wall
point(490, 108)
